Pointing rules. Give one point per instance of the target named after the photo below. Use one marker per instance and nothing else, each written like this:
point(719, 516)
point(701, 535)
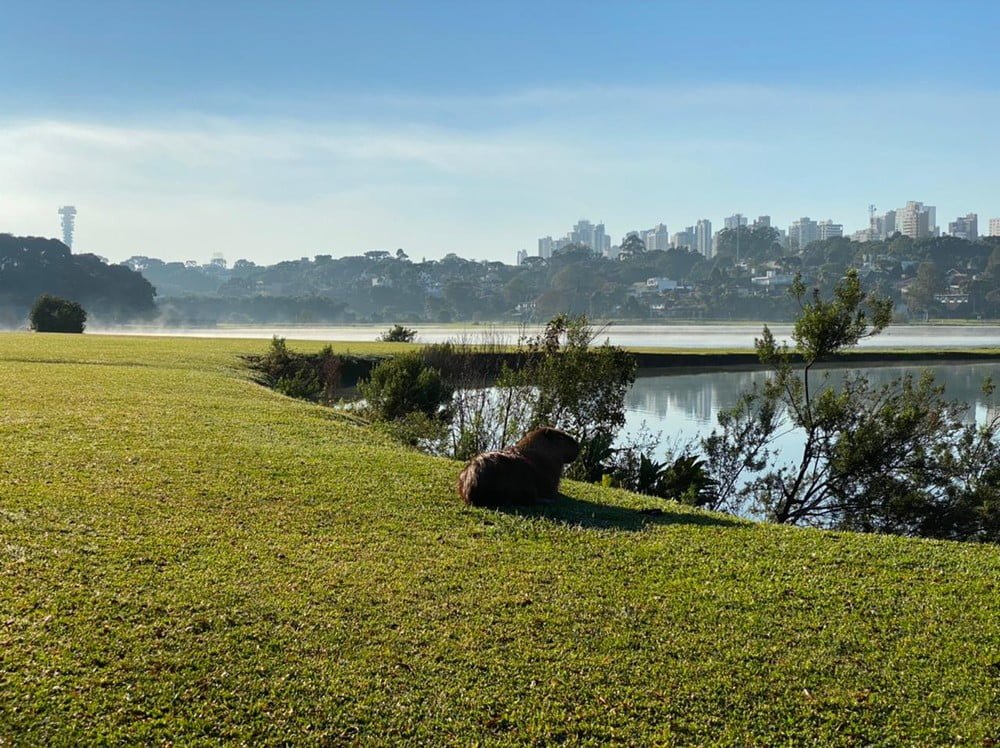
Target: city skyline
point(915, 219)
point(178, 133)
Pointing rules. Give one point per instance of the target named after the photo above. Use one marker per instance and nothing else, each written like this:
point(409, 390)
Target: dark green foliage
point(304, 384)
point(405, 384)
point(52, 314)
point(492, 396)
point(309, 376)
point(749, 243)
point(30, 267)
point(574, 281)
point(896, 458)
point(577, 387)
point(398, 334)
point(685, 477)
point(688, 480)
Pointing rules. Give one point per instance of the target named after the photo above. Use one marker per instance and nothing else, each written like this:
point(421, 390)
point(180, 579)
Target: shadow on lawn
point(572, 511)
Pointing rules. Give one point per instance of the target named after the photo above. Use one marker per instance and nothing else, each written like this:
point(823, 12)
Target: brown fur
point(522, 474)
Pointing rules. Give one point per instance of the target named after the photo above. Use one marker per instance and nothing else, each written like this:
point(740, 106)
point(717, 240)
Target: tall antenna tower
point(68, 213)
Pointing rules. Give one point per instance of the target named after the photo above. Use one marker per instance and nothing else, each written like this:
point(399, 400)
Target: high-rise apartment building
point(802, 232)
point(965, 227)
point(522, 255)
point(656, 238)
point(685, 239)
point(703, 238)
point(828, 230)
point(995, 227)
point(602, 242)
point(731, 222)
point(917, 220)
point(882, 227)
point(762, 222)
point(583, 233)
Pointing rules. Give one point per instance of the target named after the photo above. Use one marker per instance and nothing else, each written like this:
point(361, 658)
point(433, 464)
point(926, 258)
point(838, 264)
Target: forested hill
point(31, 266)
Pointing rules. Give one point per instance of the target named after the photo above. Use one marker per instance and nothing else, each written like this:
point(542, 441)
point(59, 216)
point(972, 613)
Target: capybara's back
point(497, 479)
point(520, 474)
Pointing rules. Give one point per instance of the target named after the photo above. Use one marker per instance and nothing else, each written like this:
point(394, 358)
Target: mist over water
point(667, 335)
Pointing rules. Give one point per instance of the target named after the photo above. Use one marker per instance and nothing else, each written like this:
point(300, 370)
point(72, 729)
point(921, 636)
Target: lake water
point(684, 407)
point(667, 335)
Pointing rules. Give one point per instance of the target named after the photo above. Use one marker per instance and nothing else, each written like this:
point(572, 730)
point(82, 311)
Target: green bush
point(315, 376)
point(397, 334)
point(405, 384)
point(53, 314)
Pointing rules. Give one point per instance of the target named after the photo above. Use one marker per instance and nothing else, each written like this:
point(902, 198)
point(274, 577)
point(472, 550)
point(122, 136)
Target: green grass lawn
point(186, 557)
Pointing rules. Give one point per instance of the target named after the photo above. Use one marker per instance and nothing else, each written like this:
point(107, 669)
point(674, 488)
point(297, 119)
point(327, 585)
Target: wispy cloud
point(487, 174)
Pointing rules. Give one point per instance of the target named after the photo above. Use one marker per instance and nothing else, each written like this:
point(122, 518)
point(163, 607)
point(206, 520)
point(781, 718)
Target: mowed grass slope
point(187, 557)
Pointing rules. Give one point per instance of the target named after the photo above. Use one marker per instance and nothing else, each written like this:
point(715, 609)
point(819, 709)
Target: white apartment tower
point(917, 220)
point(828, 229)
point(995, 227)
point(657, 238)
point(703, 238)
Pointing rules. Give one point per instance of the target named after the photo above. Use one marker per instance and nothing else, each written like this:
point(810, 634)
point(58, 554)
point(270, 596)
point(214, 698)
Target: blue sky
point(277, 130)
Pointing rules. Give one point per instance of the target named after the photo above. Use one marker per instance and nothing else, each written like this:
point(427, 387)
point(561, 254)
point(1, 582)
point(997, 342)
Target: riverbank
point(656, 363)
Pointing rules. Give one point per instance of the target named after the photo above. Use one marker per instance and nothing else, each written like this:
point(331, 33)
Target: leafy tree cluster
point(30, 267)
point(382, 286)
point(896, 458)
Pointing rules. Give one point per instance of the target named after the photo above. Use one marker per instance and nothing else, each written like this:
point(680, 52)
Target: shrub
point(309, 376)
point(405, 384)
point(53, 314)
point(398, 334)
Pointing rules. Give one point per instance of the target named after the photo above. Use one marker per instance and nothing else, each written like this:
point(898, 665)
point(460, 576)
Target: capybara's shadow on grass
point(579, 512)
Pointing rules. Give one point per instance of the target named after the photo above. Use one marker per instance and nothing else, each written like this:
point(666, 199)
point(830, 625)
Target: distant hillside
point(31, 266)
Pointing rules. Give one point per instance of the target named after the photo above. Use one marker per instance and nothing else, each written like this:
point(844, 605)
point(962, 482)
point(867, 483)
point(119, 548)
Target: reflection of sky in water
point(684, 407)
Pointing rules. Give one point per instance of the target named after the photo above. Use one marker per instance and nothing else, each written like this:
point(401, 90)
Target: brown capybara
point(521, 474)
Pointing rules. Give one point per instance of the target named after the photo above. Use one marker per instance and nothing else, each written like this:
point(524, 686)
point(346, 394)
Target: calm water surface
point(684, 407)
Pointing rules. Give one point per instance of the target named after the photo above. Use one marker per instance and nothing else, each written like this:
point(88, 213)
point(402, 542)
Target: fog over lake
point(688, 335)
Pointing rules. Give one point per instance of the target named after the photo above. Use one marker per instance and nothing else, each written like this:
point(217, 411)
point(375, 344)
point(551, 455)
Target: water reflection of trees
point(696, 398)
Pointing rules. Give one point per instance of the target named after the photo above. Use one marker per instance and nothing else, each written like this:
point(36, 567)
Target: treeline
point(31, 267)
point(942, 277)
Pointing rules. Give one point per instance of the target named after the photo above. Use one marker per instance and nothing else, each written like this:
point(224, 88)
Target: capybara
point(521, 474)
